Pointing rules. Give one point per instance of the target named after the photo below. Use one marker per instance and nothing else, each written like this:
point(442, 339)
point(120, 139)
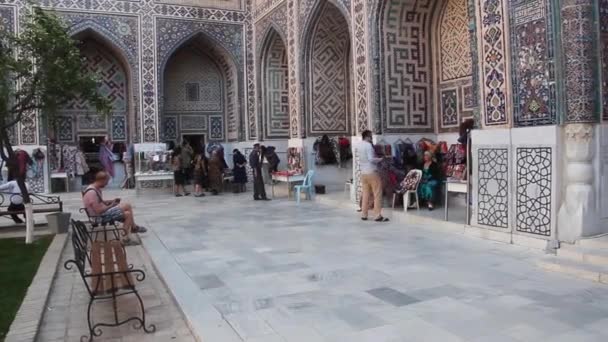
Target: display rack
point(152, 164)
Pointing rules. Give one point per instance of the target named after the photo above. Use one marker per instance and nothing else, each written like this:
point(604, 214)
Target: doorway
point(197, 141)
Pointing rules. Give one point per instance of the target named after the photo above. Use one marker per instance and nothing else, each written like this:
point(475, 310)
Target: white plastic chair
point(413, 178)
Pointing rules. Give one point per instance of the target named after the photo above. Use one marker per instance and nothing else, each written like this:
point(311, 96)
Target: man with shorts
point(104, 212)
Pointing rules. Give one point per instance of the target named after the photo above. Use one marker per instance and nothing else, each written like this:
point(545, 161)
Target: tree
point(41, 70)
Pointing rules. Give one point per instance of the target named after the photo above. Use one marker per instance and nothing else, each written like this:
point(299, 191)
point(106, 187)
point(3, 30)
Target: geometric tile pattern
point(493, 61)
point(275, 92)
point(533, 93)
point(169, 127)
point(216, 128)
point(119, 128)
point(579, 45)
point(493, 187)
point(7, 25)
point(406, 65)
point(293, 39)
point(112, 82)
point(454, 41)
point(277, 20)
point(193, 122)
point(360, 46)
point(454, 62)
point(533, 208)
point(329, 71)
point(90, 122)
point(188, 66)
point(65, 128)
point(603, 16)
point(449, 107)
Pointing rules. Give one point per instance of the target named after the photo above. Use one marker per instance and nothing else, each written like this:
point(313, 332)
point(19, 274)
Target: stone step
point(586, 255)
point(572, 268)
point(598, 242)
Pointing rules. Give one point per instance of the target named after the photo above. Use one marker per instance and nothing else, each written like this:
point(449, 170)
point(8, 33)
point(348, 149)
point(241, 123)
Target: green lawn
point(18, 265)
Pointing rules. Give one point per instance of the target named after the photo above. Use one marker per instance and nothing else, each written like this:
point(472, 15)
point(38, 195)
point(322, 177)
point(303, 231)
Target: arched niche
point(274, 87)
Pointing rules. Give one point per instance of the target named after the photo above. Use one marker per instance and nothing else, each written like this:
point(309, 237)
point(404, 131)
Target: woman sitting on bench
point(109, 211)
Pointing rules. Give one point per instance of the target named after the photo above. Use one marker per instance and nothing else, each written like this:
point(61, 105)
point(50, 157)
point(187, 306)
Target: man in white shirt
point(11, 191)
point(370, 180)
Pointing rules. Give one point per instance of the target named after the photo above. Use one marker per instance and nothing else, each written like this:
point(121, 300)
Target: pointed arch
point(273, 85)
point(220, 121)
point(327, 72)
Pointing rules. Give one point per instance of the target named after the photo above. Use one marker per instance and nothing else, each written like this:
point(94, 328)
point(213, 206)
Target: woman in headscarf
point(106, 156)
point(200, 173)
point(216, 173)
point(239, 171)
point(431, 175)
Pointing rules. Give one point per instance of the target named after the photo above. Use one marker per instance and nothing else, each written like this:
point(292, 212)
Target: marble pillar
point(577, 215)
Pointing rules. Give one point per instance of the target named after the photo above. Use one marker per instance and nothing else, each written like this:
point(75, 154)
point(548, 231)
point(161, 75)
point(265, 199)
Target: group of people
point(205, 173)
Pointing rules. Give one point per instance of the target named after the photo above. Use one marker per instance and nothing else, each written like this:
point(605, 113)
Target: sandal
point(364, 219)
point(139, 229)
point(381, 219)
point(178, 195)
point(129, 242)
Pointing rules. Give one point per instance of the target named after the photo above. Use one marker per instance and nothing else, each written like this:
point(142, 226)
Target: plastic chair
point(409, 187)
point(306, 186)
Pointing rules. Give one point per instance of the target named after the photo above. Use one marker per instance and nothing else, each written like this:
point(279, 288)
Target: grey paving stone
point(392, 296)
point(208, 281)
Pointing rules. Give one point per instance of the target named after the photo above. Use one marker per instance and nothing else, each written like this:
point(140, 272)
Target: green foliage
point(42, 69)
point(18, 265)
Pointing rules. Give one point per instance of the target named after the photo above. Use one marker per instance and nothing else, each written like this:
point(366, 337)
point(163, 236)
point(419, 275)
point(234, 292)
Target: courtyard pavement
point(273, 271)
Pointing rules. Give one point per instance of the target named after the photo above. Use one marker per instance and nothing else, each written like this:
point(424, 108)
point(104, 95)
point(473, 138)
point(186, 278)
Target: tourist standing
point(239, 170)
point(179, 177)
point(370, 180)
point(200, 173)
point(255, 161)
point(216, 172)
point(186, 159)
point(106, 156)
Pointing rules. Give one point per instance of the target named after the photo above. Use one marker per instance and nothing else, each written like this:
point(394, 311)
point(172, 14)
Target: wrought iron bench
point(40, 203)
point(107, 276)
point(97, 228)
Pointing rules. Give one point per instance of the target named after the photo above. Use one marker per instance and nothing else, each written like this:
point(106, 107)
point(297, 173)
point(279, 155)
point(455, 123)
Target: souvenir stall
point(295, 172)
point(152, 165)
point(331, 158)
point(32, 164)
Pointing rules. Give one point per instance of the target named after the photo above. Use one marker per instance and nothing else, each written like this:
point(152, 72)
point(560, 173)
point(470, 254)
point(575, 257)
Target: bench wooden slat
point(124, 279)
point(96, 267)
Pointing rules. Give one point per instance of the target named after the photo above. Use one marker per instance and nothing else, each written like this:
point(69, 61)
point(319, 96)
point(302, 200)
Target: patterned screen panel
point(533, 207)
point(275, 89)
point(493, 187)
point(329, 74)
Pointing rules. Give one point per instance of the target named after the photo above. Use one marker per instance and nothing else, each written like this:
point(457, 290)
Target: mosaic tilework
point(328, 74)
point(216, 128)
point(360, 45)
point(90, 122)
point(578, 44)
point(294, 67)
point(471, 95)
point(193, 122)
point(406, 65)
point(449, 107)
point(454, 65)
point(603, 16)
point(28, 126)
point(190, 66)
point(7, 19)
point(275, 94)
point(169, 127)
point(276, 20)
point(493, 187)
point(110, 74)
point(494, 62)
point(262, 8)
point(454, 37)
point(150, 106)
point(65, 128)
point(119, 128)
point(533, 95)
point(250, 78)
point(533, 190)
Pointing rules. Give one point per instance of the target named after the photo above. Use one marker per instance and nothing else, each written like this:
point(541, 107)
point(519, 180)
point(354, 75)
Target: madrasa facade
point(533, 75)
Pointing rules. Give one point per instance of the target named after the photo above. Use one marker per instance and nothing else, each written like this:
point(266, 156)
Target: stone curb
point(27, 321)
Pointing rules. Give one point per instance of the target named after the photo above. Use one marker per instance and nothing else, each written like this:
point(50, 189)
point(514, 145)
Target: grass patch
point(18, 265)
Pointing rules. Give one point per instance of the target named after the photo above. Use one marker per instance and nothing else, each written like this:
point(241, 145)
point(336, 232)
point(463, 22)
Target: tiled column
point(577, 216)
